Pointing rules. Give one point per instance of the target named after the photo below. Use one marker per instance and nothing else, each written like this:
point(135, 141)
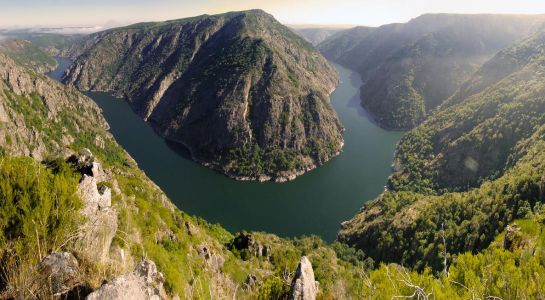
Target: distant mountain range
point(473, 166)
point(409, 69)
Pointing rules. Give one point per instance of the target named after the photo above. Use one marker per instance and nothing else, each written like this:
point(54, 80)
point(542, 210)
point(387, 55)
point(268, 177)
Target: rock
point(145, 282)
point(512, 238)
point(191, 229)
point(95, 198)
point(59, 271)
point(214, 261)
point(247, 241)
point(86, 164)
point(251, 282)
point(101, 219)
point(99, 142)
point(304, 287)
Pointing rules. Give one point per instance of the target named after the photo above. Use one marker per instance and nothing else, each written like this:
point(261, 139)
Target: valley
point(314, 204)
point(225, 157)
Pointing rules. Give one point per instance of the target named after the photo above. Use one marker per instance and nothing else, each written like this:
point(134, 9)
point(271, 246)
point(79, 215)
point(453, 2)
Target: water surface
point(315, 203)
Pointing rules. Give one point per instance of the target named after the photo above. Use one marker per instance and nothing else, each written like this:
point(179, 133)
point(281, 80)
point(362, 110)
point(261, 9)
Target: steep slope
point(241, 91)
point(409, 69)
point(476, 139)
point(43, 207)
point(472, 167)
point(26, 53)
point(57, 197)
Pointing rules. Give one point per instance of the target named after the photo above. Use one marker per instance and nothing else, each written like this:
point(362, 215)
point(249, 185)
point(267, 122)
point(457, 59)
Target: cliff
point(242, 92)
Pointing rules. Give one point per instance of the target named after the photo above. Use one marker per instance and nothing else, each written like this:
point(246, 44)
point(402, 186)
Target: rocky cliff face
point(245, 94)
point(40, 116)
point(409, 69)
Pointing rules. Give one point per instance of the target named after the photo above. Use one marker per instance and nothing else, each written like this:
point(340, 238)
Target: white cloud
point(69, 30)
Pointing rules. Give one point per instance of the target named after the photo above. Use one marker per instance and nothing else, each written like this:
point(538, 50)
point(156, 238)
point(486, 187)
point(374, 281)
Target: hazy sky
point(28, 13)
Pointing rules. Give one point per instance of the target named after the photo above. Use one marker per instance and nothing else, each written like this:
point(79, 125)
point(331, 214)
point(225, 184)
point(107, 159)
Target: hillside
point(242, 92)
point(69, 194)
point(80, 219)
point(27, 54)
point(473, 167)
point(409, 69)
point(54, 44)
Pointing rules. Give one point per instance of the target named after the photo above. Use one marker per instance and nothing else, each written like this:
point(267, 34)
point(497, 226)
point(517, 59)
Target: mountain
point(26, 53)
point(77, 212)
point(242, 92)
point(409, 69)
point(468, 171)
point(47, 39)
point(79, 219)
point(316, 34)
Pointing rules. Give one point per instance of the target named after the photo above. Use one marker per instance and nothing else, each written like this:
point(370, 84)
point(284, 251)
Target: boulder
point(59, 272)
point(86, 164)
point(512, 238)
point(246, 241)
point(145, 282)
point(304, 287)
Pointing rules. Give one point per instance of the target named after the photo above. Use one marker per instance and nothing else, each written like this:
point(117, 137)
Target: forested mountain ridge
point(472, 168)
point(27, 54)
point(47, 199)
point(409, 69)
point(76, 212)
point(477, 138)
point(244, 93)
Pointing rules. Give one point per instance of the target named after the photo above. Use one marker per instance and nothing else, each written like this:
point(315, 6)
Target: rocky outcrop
point(242, 92)
point(59, 272)
point(40, 117)
point(512, 238)
point(246, 241)
point(144, 283)
point(97, 233)
point(304, 287)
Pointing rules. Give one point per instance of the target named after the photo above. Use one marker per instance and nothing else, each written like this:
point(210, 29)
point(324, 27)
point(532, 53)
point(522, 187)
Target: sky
point(109, 13)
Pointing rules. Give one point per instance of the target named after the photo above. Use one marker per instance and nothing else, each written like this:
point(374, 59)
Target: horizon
point(318, 13)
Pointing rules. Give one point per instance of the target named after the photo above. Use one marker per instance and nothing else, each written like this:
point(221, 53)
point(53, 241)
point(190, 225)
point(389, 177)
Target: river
point(313, 204)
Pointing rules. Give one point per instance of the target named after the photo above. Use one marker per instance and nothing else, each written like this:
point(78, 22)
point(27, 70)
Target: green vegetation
point(410, 69)
point(38, 215)
point(472, 168)
point(436, 234)
point(28, 54)
point(513, 273)
point(478, 139)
